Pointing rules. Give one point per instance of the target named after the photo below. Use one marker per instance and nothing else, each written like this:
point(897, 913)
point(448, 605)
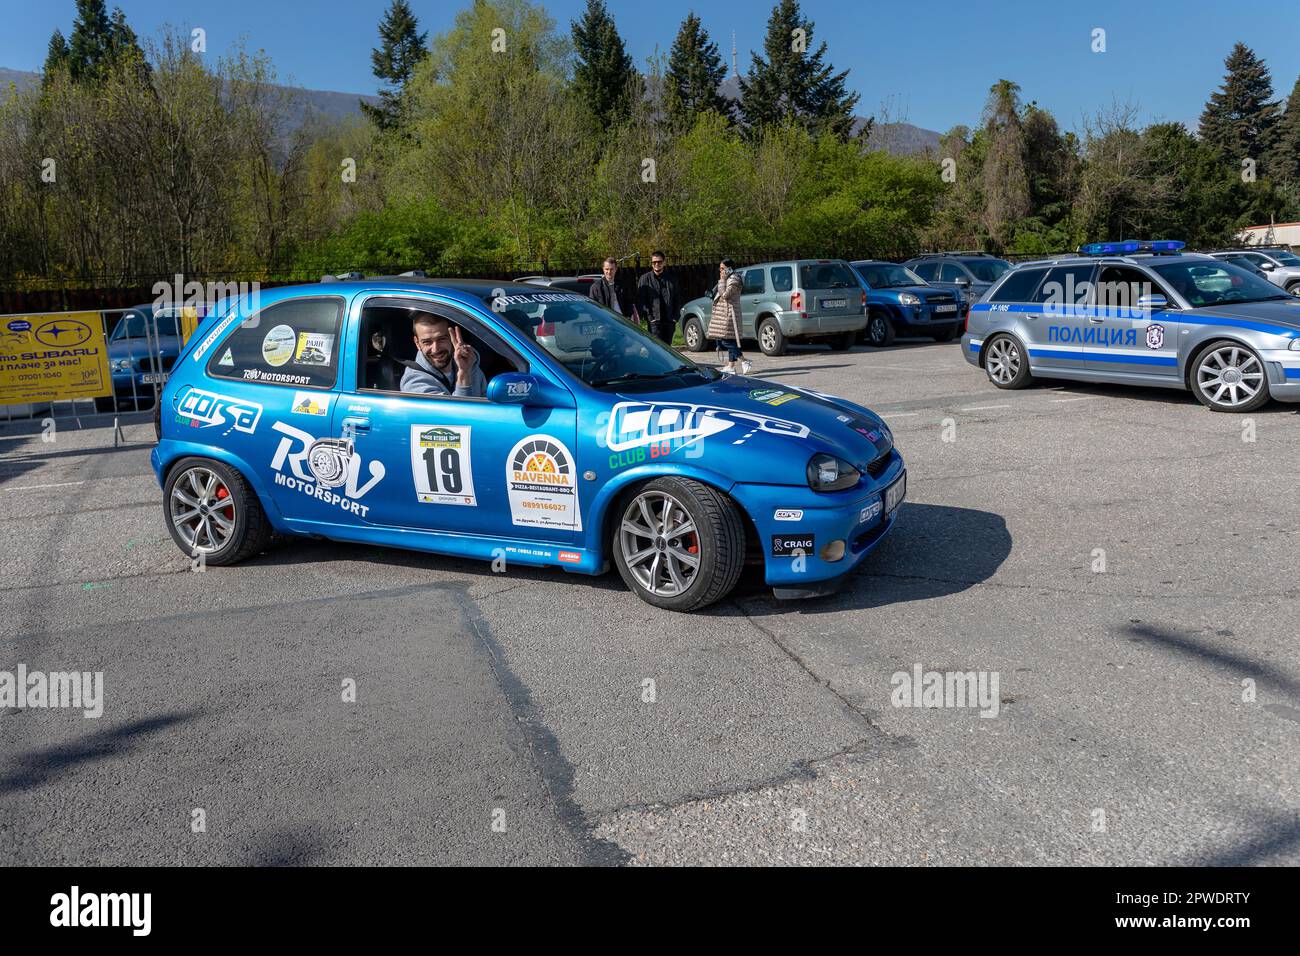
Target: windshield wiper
point(644, 376)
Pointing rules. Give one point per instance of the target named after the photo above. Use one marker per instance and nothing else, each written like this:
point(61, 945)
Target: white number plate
point(895, 493)
point(945, 308)
point(153, 378)
point(834, 303)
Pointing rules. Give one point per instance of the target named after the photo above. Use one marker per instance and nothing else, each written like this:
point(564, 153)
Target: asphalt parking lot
point(1121, 558)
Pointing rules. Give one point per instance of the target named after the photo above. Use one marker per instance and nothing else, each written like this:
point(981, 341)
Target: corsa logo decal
point(637, 424)
point(205, 409)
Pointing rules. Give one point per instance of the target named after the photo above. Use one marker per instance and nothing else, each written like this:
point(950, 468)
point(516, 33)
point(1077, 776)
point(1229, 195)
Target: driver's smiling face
point(433, 339)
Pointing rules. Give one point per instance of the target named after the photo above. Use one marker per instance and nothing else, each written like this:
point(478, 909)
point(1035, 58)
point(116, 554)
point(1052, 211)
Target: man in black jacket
point(605, 292)
point(657, 299)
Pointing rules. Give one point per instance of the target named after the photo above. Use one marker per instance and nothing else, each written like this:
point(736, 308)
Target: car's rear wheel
point(1229, 377)
point(879, 332)
point(1294, 288)
point(693, 335)
point(679, 544)
point(1006, 363)
point(771, 340)
point(213, 513)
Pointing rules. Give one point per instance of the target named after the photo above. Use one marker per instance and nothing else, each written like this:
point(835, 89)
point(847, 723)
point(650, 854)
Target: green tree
point(695, 72)
point(1240, 119)
point(1284, 160)
point(56, 56)
point(401, 48)
point(603, 75)
point(792, 83)
point(1005, 174)
point(91, 39)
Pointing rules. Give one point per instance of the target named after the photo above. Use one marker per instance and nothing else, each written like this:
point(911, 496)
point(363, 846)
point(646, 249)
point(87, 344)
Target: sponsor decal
point(279, 378)
point(62, 333)
point(441, 466)
point(788, 514)
point(546, 553)
point(772, 396)
point(315, 466)
point(870, 511)
point(215, 334)
point(570, 557)
point(202, 409)
point(19, 325)
point(311, 403)
point(638, 424)
point(844, 418)
point(359, 409)
point(314, 348)
point(501, 301)
point(791, 545)
point(227, 360)
point(519, 389)
point(541, 482)
point(277, 346)
point(1155, 336)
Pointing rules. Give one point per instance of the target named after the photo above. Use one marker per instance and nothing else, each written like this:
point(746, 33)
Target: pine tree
point(56, 56)
point(604, 77)
point(401, 48)
point(1240, 120)
point(91, 40)
point(1284, 160)
point(1006, 176)
point(793, 83)
point(695, 71)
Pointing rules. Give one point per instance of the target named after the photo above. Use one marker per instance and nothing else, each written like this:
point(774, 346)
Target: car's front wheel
point(679, 544)
point(1228, 377)
point(212, 513)
point(879, 332)
point(1006, 363)
point(770, 337)
point(693, 335)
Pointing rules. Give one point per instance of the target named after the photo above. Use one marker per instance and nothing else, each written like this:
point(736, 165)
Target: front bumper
point(1283, 373)
point(856, 518)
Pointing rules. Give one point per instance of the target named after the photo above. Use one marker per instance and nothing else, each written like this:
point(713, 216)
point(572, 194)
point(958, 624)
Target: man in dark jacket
point(605, 292)
point(657, 299)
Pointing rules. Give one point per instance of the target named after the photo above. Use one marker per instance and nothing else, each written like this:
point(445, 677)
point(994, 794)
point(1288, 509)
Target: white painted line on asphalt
point(60, 484)
point(983, 408)
point(900, 414)
point(1085, 398)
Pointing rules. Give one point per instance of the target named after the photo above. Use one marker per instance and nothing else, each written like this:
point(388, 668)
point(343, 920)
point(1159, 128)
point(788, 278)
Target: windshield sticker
point(314, 348)
point(542, 482)
point(441, 465)
point(227, 360)
point(530, 297)
point(277, 347)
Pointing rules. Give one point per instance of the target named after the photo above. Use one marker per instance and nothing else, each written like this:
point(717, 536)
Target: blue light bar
point(1109, 248)
point(1166, 245)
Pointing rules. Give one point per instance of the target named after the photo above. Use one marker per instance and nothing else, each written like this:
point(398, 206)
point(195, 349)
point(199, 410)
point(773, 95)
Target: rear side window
point(1020, 286)
point(295, 342)
point(826, 275)
point(782, 278)
point(926, 270)
point(951, 272)
point(754, 281)
point(1066, 285)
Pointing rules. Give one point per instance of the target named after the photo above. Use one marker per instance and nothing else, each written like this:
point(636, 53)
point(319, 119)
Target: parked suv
point(968, 274)
point(1281, 266)
point(806, 300)
point(898, 300)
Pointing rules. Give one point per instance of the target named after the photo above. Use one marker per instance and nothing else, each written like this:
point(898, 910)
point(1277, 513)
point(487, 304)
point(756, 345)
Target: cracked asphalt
point(1120, 558)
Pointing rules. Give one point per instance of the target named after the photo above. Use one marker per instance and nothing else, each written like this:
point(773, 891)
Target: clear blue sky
point(933, 62)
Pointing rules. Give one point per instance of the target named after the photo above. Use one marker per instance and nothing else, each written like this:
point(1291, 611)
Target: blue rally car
point(569, 439)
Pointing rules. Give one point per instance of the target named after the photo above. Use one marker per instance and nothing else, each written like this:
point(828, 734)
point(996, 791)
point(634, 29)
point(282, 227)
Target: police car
point(1141, 313)
point(593, 445)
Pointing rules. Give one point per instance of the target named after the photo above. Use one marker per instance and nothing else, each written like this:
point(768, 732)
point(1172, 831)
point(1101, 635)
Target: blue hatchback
point(590, 443)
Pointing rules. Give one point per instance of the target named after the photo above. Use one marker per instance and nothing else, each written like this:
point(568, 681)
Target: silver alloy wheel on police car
point(212, 513)
point(1229, 377)
point(679, 544)
point(1004, 361)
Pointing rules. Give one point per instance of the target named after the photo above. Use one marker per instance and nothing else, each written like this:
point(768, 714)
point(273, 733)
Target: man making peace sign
point(445, 364)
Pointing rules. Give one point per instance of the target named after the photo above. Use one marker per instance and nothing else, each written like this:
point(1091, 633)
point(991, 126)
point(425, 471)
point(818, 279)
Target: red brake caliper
point(229, 508)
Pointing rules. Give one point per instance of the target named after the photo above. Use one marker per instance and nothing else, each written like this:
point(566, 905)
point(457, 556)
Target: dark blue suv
point(899, 301)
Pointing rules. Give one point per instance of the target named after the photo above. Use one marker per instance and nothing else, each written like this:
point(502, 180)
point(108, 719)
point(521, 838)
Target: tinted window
point(826, 275)
point(926, 270)
point(950, 272)
point(1120, 287)
point(1020, 286)
point(1066, 285)
point(1205, 282)
point(782, 278)
point(886, 275)
point(754, 281)
point(290, 343)
point(987, 270)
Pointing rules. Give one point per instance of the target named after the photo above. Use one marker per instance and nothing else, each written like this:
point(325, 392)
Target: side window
point(1066, 285)
point(782, 278)
point(754, 282)
point(1020, 286)
point(926, 270)
point(1120, 287)
point(951, 272)
point(295, 342)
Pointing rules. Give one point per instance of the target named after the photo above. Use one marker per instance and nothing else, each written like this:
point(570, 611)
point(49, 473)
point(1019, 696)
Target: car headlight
point(122, 365)
point(1295, 345)
point(909, 299)
point(828, 473)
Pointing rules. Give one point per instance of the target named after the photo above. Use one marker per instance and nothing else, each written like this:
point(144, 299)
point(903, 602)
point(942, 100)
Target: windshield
point(986, 270)
point(595, 345)
point(1286, 258)
point(886, 275)
point(826, 275)
point(133, 325)
point(1207, 282)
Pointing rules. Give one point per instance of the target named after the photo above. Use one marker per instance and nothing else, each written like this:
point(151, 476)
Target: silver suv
point(1281, 266)
point(805, 300)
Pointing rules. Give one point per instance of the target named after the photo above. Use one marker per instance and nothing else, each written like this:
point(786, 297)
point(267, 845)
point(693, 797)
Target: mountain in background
point(902, 139)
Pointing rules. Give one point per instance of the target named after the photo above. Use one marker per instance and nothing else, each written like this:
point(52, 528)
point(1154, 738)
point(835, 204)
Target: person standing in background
point(657, 299)
point(604, 291)
point(724, 321)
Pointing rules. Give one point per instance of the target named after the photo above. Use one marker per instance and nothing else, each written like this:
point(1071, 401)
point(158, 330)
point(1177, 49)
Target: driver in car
point(445, 364)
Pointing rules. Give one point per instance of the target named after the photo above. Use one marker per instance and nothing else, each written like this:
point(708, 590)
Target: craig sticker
point(441, 465)
point(542, 482)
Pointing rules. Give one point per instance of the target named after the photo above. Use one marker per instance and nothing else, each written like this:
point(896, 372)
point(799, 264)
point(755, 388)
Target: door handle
point(1096, 319)
point(355, 426)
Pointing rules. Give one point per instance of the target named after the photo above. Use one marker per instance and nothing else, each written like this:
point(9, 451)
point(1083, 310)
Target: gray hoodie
point(431, 381)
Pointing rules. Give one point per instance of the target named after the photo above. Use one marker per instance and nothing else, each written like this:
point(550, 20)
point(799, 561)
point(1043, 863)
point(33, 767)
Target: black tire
point(1294, 288)
point(1250, 374)
point(879, 332)
point(843, 342)
point(1006, 363)
point(250, 532)
point(719, 539)
point(693, 327)
point(946, 334)
point(771, 340)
